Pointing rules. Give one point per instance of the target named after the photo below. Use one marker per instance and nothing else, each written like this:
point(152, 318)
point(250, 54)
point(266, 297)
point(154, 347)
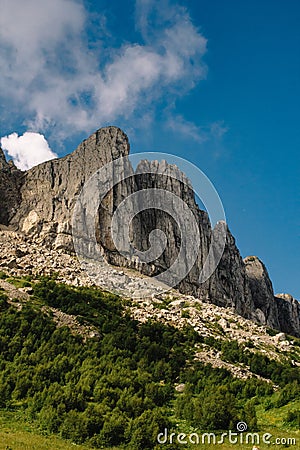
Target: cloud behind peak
point(27, 150)
point(59, 81)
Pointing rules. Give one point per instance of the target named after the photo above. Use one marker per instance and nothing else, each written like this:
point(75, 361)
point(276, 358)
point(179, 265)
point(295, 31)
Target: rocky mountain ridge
point(38, 205)
point(22, 257)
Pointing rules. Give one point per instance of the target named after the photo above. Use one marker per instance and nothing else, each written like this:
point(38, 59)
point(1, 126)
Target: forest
point(118, 387)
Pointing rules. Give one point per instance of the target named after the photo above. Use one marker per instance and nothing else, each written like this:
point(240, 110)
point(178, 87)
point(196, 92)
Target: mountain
point(38, 205)
point(82, 365)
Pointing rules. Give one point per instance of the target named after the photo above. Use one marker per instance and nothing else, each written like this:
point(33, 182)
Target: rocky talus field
point(22, 256)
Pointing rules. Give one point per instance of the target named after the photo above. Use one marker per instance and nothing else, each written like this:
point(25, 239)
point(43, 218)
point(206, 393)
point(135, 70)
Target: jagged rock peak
point(282, 311)
point(163, 168)
point(262, 291)
point(288, 314)
point(3, 162)
point(49, 190)
point(40, 202)
point(109, 143)
point(10, 180)
point(7, 165)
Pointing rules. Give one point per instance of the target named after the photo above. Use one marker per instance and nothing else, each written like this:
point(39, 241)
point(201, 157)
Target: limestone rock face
point(288, 314)
point(228, 286)
point(229, 283)
point(40, 203)
point(49, 191)
point(282, 311)
point(10, 183)
point(262, 292)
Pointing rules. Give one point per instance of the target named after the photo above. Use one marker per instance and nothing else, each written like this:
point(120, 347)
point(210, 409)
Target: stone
point(288, 314)
point(47, 193)
point(12, 264)
point(30, 222)
point(223, 323)
point(279, 337)
point(10, 184)
point(262, 292)
point(180, 387)
point(39, 204)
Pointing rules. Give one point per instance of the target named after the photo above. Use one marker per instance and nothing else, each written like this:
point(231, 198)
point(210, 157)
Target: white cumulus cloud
point(27, 150)
point(55, 80)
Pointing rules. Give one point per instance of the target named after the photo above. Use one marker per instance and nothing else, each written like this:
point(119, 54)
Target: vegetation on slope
point(118, 388)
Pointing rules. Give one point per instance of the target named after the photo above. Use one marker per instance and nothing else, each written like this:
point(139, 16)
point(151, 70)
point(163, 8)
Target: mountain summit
point(39, 204)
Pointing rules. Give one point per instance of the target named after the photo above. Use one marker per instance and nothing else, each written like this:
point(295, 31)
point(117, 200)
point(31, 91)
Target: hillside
point(92, 368)
point(51, 205)
point(97, 351)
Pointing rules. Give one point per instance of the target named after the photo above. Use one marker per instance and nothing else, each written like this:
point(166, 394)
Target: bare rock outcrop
point(228, 285)
point(49, 191)
point(10, 184)
point(288, 314)
point(40, 202)
point(262, 292)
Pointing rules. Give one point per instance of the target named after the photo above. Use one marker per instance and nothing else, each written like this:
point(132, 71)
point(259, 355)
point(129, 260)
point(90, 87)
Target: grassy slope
point(18, 434)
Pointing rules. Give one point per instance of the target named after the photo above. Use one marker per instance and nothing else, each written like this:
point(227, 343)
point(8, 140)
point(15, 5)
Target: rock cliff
point(288, 314)
point(47, 193)
point(40, 202)
point(262, 292)
point(10, 182)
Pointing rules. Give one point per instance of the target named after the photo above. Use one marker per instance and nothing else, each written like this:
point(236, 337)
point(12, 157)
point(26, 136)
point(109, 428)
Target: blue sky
point(215, 82)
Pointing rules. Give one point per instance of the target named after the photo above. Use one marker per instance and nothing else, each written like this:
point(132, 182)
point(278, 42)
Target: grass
point(18, 282)
point(18, 434)
point(276, 417)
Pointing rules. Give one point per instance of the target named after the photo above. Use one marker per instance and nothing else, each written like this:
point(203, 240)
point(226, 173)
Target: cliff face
point(262, 292)
point(40, 203)
point(10, 183)
point(288, 314)
point(49, 191)
point(228, 285)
